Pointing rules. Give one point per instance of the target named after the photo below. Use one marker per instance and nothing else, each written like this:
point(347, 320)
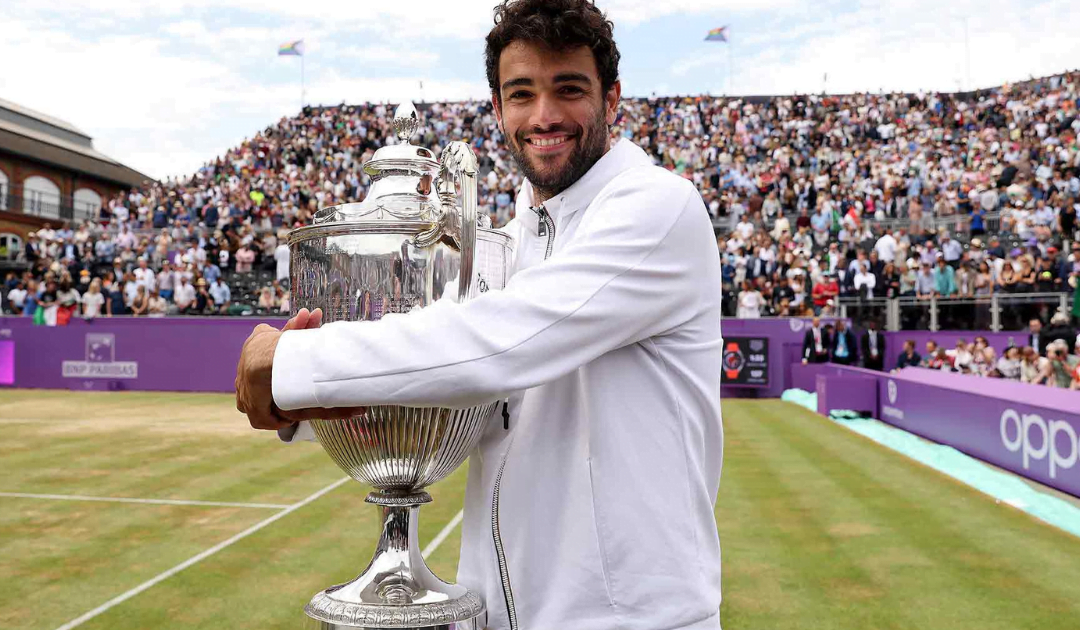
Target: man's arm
point(633, 271)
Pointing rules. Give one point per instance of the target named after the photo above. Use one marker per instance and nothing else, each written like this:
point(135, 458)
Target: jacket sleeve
point(631, 271)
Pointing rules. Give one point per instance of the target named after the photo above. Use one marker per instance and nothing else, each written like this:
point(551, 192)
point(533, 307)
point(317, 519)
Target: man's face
point(1036, 325)
point(553, 112)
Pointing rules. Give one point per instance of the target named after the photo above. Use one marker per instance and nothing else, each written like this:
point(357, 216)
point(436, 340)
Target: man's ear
point(611, 102)
point(496, 103)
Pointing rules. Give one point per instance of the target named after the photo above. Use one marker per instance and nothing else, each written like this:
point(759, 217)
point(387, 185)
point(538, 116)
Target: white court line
point(442, 536)
point(77, 497)
point(78, 621)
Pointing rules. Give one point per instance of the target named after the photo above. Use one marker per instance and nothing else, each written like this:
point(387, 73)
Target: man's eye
point(570, 89)
point(519, 94)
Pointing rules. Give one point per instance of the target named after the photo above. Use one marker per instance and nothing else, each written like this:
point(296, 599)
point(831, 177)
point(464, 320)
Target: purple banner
point(147, 354)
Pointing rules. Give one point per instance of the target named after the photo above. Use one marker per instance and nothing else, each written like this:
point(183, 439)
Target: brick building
point(50, 173)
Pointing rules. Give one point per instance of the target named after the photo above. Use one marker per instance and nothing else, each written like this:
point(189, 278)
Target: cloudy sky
point(164, 88)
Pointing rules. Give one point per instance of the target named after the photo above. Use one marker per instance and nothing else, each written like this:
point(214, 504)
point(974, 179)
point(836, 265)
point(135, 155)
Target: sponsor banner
point(746, 361)
point(1031, 430)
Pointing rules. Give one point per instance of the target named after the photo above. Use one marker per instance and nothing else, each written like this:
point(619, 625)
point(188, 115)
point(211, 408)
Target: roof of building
point(37, 136)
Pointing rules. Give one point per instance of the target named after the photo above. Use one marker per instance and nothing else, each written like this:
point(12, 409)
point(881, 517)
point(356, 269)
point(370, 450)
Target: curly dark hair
point(557, 24)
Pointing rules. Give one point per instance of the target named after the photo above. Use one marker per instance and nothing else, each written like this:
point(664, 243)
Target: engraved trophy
point(415, 239)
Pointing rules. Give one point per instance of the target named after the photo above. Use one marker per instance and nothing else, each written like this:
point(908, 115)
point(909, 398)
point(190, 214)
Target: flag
point(292, 48)
point(717, 35)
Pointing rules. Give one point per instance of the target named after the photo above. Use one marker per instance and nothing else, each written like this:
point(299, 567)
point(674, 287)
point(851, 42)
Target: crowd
point(1049, 356)
point(815, 198)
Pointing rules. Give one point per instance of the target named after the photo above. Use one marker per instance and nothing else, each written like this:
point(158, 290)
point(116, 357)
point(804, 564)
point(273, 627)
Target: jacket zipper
point(504, 570)
point(545, 227)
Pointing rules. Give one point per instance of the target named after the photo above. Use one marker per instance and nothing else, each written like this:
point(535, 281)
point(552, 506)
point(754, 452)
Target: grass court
point(129, 511)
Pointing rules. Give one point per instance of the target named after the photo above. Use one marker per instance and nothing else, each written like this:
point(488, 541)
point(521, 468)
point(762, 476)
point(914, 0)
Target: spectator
point(221, 295)
point(93, 302)
point(1009, 363)
point(281, 257)
point(1034, 369)
point(158, 306)
point(844, 350)
point(116, 304)
point(140, 304)
point(1035, 339)
point(67, 298)
point(184, 297)
point(750, 302)
point(816, 343)
point(908, 357)
point(872, 346)
point(245, 257)
point(17, 298)
point(1062, 364)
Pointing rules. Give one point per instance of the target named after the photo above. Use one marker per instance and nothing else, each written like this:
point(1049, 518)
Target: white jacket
point(607, 342)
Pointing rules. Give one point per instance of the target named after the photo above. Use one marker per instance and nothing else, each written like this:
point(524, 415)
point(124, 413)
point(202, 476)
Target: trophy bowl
point(414, 240)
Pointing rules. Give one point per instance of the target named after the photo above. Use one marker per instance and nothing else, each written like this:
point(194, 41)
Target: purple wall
point(169, 354)
point(1031, 430)
point(785, 346)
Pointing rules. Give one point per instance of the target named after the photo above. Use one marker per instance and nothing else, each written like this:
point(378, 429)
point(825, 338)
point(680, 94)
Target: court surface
point(128, 511)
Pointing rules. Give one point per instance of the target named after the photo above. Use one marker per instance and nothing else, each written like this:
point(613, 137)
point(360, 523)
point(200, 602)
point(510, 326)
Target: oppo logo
point(1036, 439)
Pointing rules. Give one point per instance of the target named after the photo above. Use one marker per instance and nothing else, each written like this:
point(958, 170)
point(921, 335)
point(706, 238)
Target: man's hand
point(254, 384)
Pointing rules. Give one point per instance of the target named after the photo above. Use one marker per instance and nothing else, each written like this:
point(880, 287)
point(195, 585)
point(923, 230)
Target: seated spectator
point(204, 303)
point(1034, 369)
point(184, 297)
point(908, 357)
point(1008, 365)
point(140, 304)
point(17, 298)
point(1062, 364)
point(221, 295)
point(267, 301)
point(245, 257)
point(158, 305)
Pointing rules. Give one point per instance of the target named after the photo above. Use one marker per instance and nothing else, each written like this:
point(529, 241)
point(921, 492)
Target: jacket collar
point(623, 155)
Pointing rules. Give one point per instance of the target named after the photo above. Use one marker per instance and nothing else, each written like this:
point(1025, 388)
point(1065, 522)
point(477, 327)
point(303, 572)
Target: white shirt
point(886, 248)
point(611, 355)
point(281, 255)
point(184, 294)
point(92, 303)
point(17, 297)
point(865, 279)
point(146, 278)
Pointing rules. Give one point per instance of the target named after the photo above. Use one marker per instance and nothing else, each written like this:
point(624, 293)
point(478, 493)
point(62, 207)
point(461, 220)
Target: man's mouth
point(548, 143)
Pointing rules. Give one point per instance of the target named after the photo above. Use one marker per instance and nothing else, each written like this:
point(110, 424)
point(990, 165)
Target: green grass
point(821, 529)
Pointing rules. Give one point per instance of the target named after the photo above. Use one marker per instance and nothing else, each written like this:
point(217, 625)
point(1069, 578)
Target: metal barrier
point(997, 312)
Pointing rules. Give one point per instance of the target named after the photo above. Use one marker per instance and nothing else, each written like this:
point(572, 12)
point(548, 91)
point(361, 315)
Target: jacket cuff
point(293, 373)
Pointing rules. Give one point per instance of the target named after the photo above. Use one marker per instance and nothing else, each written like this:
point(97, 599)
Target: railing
point(997, 312)
point(45, 207)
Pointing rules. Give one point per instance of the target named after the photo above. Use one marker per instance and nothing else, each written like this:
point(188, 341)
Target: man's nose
point(547, 112)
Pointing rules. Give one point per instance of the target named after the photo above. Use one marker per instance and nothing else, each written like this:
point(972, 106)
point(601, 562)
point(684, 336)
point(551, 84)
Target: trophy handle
point(459, 166)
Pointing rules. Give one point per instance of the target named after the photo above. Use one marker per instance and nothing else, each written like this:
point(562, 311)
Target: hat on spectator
point(201, 282)
point(976, 242)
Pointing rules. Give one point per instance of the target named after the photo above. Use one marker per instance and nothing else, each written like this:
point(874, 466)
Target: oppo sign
point(1037, 439)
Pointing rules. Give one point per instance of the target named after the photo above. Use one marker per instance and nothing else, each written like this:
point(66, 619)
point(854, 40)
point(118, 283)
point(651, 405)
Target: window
point(87, 205)
point(5, 190)
point(11, 246)
point(41, 197)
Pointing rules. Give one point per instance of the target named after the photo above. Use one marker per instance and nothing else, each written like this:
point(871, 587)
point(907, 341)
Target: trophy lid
point(402, 180)
point(405, 123)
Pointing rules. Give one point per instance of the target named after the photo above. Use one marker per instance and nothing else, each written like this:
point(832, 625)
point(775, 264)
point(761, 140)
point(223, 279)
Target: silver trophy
point(415, 239)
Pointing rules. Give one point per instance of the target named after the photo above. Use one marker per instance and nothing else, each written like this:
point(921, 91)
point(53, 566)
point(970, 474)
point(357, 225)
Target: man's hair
point(557, 24)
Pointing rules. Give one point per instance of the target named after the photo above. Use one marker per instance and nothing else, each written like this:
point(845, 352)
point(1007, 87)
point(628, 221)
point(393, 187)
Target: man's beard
point(590, 146)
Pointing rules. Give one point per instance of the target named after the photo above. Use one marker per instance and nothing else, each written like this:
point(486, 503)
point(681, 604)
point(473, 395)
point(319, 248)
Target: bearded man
point(591, 506)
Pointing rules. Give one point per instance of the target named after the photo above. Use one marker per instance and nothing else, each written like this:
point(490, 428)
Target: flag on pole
point(717, 35)
point(292, 48)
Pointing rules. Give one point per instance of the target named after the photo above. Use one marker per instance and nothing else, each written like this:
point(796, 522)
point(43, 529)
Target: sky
point(167, 87)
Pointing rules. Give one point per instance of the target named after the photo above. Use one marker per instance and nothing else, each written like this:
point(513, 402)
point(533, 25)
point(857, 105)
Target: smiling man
point(590, 504)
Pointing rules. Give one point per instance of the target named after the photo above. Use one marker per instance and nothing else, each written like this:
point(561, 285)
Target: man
point(909, 357)
point(873, 347)
point(607, 344)
point(886, 246)
point(951, 250)
point(944, 278)
point(222, 296)
point(931, 353)
point(844, 350)
point(184, 296)
point(1035, 336)
point(925, 283)
point(816, 343)
point(144, 276)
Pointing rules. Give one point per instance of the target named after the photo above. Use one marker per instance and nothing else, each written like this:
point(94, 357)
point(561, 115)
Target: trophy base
point(397, 591)
point(416, 617)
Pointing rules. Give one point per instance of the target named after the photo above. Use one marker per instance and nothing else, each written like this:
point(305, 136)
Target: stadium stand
point(821, 204)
